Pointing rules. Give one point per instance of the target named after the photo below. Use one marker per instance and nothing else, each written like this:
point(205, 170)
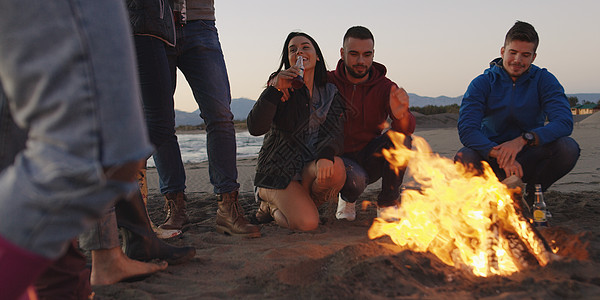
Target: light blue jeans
point(67, 69)
point(103, 234)
point(199, 56)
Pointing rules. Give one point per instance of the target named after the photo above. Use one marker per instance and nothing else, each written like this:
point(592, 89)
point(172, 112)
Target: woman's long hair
point(320, 67)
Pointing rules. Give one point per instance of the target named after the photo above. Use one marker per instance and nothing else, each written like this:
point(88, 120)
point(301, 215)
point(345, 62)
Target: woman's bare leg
point(292, 207)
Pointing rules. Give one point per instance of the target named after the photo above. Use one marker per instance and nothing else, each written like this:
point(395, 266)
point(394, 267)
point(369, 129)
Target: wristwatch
point(529, 137)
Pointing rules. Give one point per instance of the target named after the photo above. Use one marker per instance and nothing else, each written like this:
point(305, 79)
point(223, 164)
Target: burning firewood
point(470, 221)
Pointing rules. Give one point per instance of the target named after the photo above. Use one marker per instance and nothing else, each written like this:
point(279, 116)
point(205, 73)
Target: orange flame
point(467, 221)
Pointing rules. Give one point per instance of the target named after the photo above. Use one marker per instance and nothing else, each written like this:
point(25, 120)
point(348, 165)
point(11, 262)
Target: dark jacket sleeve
point(262, 114)
point(331, 133)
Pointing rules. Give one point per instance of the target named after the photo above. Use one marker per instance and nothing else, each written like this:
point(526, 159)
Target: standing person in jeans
point(199, 56)
point(371, 98)
point(503, 114)
point(67, 69)
point(154, 37)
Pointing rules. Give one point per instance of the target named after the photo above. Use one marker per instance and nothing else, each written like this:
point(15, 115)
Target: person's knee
point(566, 153)
point(160, 135)
point(305, 223)
point(355, 183)
point(469, 158)
point(126, 172)
point(339, 173)
point(568, 148)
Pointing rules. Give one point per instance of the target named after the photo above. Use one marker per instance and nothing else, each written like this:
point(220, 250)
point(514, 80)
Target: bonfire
point(470, 221)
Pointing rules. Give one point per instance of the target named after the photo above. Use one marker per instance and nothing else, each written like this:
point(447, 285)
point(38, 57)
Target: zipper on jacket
point(352, 103)
point(512, 100)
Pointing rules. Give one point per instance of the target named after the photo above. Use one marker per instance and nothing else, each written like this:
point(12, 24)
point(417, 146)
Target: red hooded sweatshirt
point(367, 106)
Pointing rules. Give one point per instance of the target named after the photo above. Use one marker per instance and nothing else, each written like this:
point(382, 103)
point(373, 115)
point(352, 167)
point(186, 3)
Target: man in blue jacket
point(503, 117)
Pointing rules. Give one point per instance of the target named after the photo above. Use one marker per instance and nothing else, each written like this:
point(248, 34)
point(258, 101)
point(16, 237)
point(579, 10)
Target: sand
point(338, 260)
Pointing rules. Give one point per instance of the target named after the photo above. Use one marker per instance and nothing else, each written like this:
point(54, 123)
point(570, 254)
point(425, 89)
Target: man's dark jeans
point(367, 166)
point(543, 164)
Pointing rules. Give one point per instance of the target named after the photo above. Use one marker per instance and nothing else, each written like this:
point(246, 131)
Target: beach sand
point(338, 261)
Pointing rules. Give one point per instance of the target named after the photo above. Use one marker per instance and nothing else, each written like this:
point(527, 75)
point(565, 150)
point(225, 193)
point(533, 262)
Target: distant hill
point(242, 106)
point(420, 101)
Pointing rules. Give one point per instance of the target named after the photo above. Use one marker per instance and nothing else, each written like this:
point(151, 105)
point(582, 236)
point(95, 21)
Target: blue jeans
point(67, 69)
point(543, 164)
point(367, 166)
point(157, 96)
point(103, 234)
point(199, 56)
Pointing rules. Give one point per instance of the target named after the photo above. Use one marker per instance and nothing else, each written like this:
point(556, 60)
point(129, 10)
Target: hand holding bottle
point(289, 78)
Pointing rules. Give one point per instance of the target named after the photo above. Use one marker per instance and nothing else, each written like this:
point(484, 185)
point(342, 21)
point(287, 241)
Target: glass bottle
point(540, 212)
point(298, 81)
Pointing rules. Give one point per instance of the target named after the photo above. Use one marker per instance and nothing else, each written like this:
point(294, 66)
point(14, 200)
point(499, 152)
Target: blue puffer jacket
point(495, 110)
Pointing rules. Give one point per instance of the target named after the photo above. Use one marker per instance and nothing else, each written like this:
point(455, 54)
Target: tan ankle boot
point(175, 207)
point(230, 218)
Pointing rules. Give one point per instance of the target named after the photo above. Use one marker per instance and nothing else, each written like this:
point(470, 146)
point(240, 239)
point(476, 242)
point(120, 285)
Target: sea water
point(193, 147)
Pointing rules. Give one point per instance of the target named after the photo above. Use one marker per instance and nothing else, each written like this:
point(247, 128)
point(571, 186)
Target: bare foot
point(112, 265)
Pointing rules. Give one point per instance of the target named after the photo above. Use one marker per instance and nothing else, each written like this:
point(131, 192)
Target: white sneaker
point(389, 213)
point(345, 210)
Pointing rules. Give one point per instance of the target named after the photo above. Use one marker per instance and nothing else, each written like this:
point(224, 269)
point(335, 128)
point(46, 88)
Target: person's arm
point(556, 108)
point(262, 114)
point(402, 119)
point(471, 113)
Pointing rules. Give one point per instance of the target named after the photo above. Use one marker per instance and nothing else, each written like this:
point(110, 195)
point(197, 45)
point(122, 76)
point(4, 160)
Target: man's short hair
point(358, 32)
point(522, 31)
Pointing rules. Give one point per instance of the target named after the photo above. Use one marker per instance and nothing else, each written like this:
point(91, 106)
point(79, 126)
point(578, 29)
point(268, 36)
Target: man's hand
point(398, 102)
point(506, 152)
point(324, 169)
point(513, 169)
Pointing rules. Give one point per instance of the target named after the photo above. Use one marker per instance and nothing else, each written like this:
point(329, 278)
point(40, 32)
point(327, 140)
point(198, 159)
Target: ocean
point(193, 147)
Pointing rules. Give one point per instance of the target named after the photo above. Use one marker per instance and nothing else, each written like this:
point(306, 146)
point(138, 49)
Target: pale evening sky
point(431, 48)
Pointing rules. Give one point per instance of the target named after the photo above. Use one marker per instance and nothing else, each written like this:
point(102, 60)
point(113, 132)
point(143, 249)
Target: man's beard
point(351, 72)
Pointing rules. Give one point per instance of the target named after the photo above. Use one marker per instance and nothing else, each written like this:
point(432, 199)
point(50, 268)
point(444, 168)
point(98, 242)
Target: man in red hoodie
point(371, 99)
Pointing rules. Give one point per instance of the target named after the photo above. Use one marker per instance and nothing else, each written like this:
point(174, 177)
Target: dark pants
point(198, 55)
point(543, 164)
point(157, 96)
point(367, 166)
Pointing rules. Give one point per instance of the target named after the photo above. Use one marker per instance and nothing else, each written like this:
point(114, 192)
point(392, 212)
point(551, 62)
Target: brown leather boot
point(230, 218)
point(175, 207)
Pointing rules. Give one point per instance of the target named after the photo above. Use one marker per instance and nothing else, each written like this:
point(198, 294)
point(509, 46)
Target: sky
point(430, 48)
